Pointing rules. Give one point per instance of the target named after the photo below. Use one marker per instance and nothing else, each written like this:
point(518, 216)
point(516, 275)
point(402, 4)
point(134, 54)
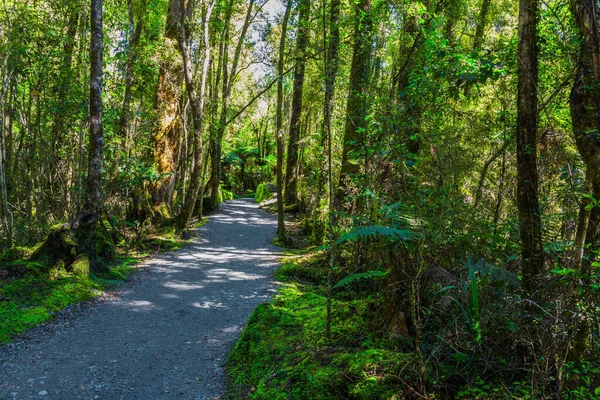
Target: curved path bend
point(164, 337)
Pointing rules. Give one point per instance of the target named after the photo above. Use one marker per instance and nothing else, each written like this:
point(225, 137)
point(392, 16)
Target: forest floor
point(166, 333)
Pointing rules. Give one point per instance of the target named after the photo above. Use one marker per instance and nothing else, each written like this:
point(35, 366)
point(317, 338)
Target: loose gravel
point(166, 334)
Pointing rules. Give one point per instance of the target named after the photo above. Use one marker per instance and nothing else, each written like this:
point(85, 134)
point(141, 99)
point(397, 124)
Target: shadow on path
point(165, 338)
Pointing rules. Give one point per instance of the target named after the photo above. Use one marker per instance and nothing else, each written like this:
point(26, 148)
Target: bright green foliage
point(262, 193)
point(362, 275)
point(363, 233)
point(282, 353)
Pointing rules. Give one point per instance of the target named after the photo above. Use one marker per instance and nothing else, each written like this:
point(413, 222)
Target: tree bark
point(57, 203)
point(168, 128)
point(94, 201)
point(197, 105)
point(356, 108)
point(530, 225)
point(229, 77)
point(291, 170)
point(279, 123)
point(131, 57)
point(585, 114)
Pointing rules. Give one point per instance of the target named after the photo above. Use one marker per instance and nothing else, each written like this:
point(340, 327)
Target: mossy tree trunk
point(85, 237)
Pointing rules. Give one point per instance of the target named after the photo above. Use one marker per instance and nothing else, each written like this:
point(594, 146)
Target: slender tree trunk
point(331, 43)
point(197, 105)
point(279, 123)
point(57, 203)
point(530, 225)
point(484, 171)
point(131, 57)
point(585, 114)
point(229, 77)
point(291, 170)
point(479, 35)
point(582, 223)
point(356, 108)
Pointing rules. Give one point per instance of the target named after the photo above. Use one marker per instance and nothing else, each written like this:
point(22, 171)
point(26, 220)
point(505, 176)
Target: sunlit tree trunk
point(530, 225)
point(279, 123)
point(197, 106)
point(291, 170)
point(136, 33)
point(229, 77)
point(168, 127)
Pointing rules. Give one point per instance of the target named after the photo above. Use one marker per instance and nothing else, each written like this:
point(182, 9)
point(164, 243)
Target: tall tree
point(279, 123)
point(168, 126)
point(530, 225)
point(56, 178)
point(135, 31)
point(291, 170)
point(197, 105)
point(356, 107)
point(331, 42)
point(229, 77)
point(585, 114)
point(94, 200)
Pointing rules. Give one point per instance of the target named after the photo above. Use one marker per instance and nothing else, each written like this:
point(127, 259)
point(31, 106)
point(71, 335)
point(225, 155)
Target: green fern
point(362, 275)
point(363, 233)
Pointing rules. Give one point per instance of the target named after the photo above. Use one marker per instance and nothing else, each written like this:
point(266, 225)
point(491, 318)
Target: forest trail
point(164, 337)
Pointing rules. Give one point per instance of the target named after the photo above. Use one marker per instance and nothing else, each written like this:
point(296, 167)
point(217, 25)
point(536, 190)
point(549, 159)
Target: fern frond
point(369, 232)
point(362, 275)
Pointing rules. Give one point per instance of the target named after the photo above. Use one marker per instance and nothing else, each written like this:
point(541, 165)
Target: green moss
point(283, 353)
point(81, 265)
point(33, 299)
point(201, 223)
point(262, 193)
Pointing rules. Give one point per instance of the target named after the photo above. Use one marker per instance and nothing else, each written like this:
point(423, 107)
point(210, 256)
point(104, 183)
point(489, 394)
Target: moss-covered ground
point(283, 352)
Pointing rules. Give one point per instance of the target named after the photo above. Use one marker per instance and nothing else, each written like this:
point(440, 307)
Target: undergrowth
point(283, 353)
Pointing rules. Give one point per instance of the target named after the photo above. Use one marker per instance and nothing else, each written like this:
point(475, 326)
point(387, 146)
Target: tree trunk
point(229, 77)
point(291, 170)
point(279, 123)
point(131, 57)
point(197, 105)
point(530, 225)
point(57, 203)
point(356, 108)
point(479, 36)
point(168, 128)
point(94, 201)
point(585, 114)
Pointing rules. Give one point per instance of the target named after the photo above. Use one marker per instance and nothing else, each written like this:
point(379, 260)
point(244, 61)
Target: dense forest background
point(444, 154)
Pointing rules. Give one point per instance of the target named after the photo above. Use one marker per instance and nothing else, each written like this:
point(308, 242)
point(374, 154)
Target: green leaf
point(362, 275)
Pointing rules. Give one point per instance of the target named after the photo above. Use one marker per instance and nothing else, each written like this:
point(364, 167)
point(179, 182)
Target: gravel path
point(166, 335)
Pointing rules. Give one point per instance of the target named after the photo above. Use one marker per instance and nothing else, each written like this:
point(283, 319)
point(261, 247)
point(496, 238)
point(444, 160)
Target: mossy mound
point(65, 249)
